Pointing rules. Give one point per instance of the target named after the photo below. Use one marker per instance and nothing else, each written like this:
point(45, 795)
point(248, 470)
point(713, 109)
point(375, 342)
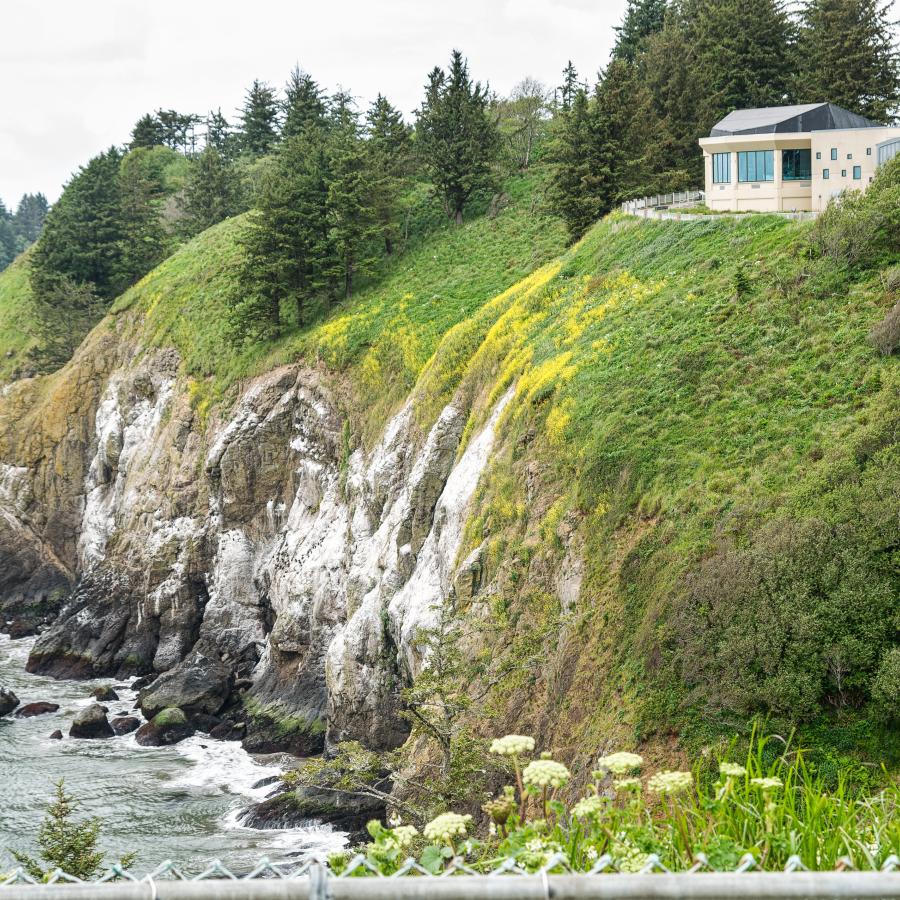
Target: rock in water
point(125, 724)
point(168, 727)
point(199, 685)
point(144, 681)
point(36, 709)
point(56, 736)
point(91, 723)
point(8, 701)
point(104, 693)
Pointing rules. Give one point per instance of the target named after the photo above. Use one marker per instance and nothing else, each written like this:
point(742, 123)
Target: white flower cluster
point(627, 784)
point(767, 784)
point(670, 782)
point(731, 770)
point(545, 772)
point(589, 806)
point(621, 763)
point(446, 826)
point(404, 835)
point(512, 745)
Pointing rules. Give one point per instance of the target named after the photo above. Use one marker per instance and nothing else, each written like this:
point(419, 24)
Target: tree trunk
point(458, 217)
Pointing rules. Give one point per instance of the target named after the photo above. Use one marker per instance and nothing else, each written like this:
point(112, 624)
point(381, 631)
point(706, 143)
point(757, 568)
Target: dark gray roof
point(787, 119)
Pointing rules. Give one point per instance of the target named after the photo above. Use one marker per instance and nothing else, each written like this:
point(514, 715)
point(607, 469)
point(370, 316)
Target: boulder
point(36, 709)
point(104, 694)
point(91, 722)
point(229, 731)
point(144, 681)
point(200, 685)
point(56, 735)
point(8, 701)
point(169, 726)
point(125, 724)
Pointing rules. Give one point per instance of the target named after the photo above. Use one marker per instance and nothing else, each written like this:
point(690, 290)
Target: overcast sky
point(76, 74)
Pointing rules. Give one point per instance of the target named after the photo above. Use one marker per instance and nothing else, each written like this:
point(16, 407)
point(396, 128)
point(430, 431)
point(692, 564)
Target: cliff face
point(254, 549)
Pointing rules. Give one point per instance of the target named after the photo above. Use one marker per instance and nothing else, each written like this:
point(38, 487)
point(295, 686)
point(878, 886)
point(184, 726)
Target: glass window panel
point(857, 172)
point(796, 165)
point(834, 152)
point(826, 174)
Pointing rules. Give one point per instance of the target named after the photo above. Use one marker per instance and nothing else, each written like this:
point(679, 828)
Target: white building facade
point(792, 158)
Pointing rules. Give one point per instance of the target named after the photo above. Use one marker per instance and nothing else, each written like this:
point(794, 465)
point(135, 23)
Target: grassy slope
point(16, 319)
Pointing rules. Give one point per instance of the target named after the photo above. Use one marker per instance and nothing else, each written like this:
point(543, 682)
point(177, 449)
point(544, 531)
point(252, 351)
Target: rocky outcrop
point(104, 694)
point(8, 701)
point(271, 585)
point(40, 708)
point(168, 727)
point(125, 724)
point(91, 722)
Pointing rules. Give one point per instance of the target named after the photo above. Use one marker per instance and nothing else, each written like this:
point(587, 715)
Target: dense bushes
point(862, 230)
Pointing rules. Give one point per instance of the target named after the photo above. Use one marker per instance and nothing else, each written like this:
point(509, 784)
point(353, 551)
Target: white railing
point(672, 200)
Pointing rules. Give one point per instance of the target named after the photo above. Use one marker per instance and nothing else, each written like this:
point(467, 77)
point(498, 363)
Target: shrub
point(859, 229)
point(886, 686)
point(885, 336)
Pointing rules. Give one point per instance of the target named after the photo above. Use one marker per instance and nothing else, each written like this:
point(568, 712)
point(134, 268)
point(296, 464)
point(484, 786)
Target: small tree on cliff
point(458, 140)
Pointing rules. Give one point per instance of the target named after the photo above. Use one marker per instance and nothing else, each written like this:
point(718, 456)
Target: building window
point(721, 168)
point(826, 174)
point(857, 173)
point(796, 165)
point(834, 152)
point(756, 165)
point(843, 173)
point(868, 151)
point(849, 156)
point(818, 155)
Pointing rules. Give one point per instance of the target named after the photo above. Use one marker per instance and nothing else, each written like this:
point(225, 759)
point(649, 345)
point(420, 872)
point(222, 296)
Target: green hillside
point(17, 327)
point(701, 435)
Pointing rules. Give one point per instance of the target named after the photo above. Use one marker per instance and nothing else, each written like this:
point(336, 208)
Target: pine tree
point(178, 129)
point(210, 194)
point(847, 55)
point(582, 188)
point(219, 135)
point(8, 243)
point(351, 215)
point(66, 843)
point(458, 141)
point(147, 132)
point(142, 245)
point(303, 105)
point(83, 232)
point(30, 215)
point(285, 244)
point(569, 87)
point(259, 119)
point(389, 148)
point(642, 18)
point(742, 52)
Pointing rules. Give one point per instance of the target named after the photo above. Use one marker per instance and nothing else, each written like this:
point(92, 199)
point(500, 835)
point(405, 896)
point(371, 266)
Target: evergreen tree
point(142, 245)
point(83, 232)
point(259, 119)
point(642, 18)
point(285, 244)
point(147, 132)
point(847, 55)
point(351, 215)
point(457, 139)
point(30, 215)
point(178, 129)
point(304, 105)
point(219, 135)
point(582, 187)
point(742, 53)
point(569, 87)
point(67, 844)
point(210, 193)
point(389, 148)
point(8, 242)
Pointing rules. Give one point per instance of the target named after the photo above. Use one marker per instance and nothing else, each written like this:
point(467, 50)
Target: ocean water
point(180, 803)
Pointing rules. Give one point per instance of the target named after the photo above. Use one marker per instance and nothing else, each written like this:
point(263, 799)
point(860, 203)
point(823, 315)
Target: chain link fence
point(313, 880)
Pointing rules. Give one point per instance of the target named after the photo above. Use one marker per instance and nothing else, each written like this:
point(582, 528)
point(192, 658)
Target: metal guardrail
point(312, 880)
point(664, 201)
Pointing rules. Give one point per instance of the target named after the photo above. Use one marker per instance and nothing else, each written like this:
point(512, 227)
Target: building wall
point(786, 196)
